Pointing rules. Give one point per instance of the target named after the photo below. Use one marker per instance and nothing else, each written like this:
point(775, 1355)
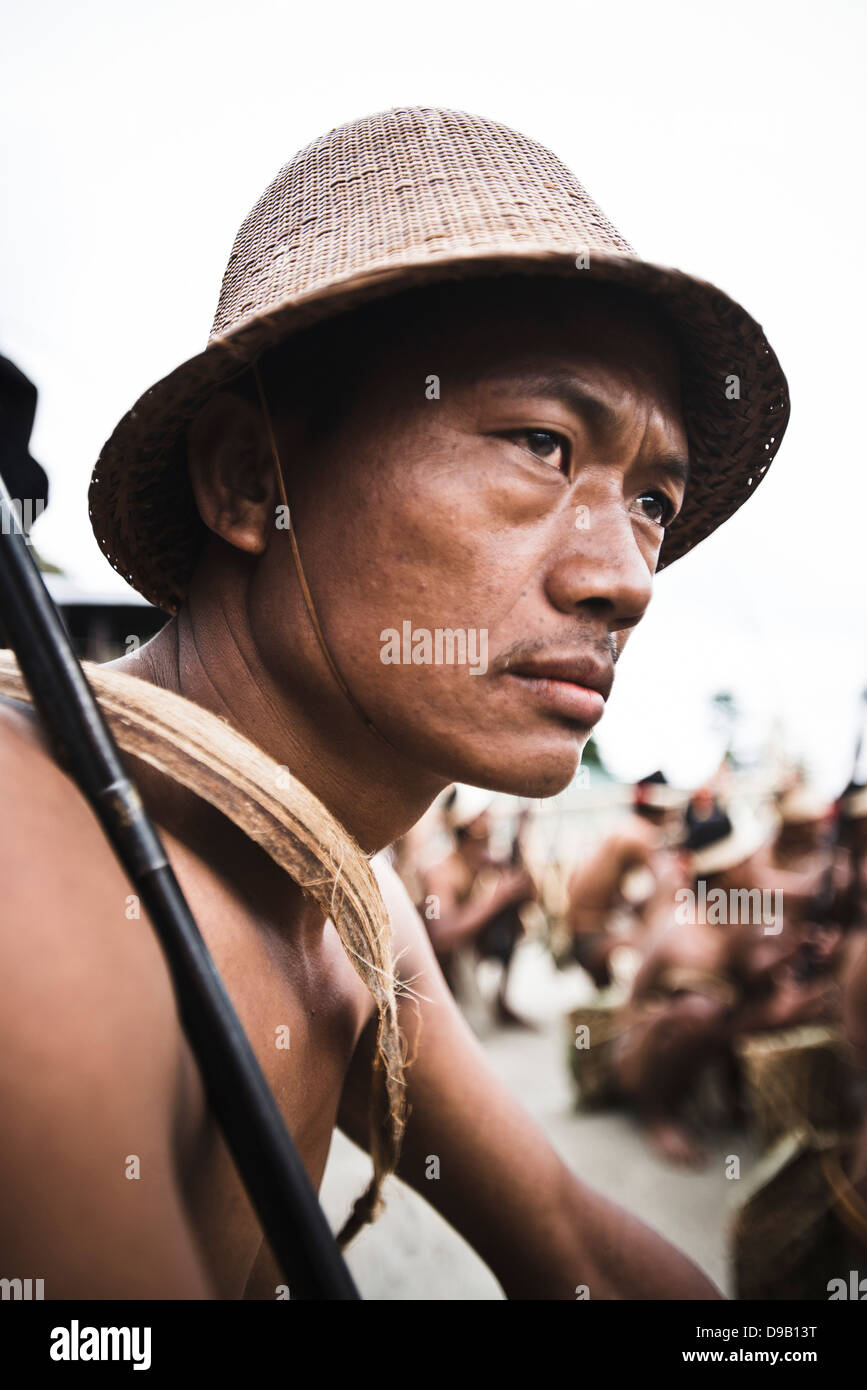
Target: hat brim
point(141, 504)
point(748, 835)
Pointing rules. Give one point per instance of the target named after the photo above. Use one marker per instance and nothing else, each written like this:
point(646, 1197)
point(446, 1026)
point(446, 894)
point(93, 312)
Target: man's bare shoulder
point(90, 1047)
point(70, 914)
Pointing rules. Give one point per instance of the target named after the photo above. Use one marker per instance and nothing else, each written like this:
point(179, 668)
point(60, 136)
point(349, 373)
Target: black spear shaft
point(272, 1172)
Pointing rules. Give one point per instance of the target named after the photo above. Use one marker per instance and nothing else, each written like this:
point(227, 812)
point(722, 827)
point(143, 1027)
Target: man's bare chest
point(303, 1009)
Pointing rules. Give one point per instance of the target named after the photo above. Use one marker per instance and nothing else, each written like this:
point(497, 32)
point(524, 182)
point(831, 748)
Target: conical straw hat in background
point(409, 197)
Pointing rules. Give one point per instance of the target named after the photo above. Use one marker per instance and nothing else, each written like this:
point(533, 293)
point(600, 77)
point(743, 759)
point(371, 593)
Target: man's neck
point(374, 792)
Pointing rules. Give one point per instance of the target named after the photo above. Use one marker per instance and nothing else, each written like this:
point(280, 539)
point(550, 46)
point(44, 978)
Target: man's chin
point(527, 773)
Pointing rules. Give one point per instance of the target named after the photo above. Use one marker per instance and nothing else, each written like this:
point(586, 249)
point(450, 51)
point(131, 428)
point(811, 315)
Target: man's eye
point(553, 448)
point(657, 507)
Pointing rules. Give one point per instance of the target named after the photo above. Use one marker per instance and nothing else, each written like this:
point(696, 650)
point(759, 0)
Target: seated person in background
point(472, 898)
point(834, 915)
point(627, 870)
point(706, 979)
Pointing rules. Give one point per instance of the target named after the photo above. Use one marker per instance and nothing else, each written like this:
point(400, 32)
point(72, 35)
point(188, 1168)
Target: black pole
point(272, 1172)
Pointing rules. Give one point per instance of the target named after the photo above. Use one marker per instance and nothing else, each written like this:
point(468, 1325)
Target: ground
point(411, 1253)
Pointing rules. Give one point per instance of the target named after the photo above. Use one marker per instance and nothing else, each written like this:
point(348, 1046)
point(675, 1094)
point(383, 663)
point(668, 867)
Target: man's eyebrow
point(581, 400)
point(675, 465)
point(561, 387)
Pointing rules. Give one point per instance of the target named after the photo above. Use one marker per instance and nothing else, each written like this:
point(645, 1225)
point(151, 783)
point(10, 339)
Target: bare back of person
point(595, 893)
point(594, 886)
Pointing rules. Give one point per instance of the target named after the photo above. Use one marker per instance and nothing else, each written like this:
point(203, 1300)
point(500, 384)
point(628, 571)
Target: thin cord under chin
point(299, 569)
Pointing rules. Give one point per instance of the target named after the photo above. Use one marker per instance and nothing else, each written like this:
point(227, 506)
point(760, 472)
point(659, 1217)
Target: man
point(474, 407)
point(630, 868)
point(477, 897)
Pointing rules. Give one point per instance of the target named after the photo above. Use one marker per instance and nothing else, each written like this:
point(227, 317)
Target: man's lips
point(573, 687)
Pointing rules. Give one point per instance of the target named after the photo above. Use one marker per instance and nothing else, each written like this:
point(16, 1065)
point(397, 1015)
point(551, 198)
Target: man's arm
point(502, 1186)
point(89, 1057)
point(459, 922)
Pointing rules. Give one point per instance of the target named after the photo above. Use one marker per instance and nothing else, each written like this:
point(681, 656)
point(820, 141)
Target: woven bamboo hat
point(408, 197)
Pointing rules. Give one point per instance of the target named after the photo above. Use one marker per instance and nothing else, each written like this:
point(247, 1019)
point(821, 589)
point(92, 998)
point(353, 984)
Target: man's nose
point(600, 567)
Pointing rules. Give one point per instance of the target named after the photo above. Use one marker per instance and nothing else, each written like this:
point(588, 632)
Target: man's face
point(518, 503)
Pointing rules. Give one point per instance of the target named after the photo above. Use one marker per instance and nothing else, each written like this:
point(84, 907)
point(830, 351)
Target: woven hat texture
point(409, 197)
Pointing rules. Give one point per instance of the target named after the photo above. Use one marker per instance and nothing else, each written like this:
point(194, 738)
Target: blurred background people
point(473, 899)
point(617, 888)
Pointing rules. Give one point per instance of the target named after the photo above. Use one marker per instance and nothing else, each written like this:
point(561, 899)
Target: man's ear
point(232, 471)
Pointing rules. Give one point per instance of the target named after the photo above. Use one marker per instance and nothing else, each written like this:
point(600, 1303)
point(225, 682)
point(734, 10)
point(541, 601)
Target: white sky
point(728, 140)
